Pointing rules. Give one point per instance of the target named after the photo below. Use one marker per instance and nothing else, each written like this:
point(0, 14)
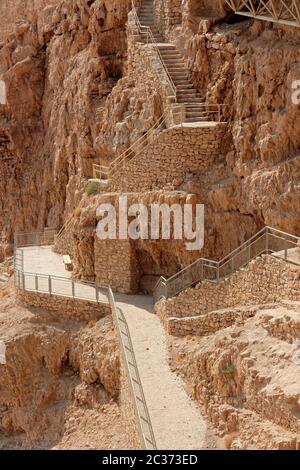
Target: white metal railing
point(82, 290)
point(39, 238)
point(267, 241)
point(64, 229)
point(60, 286)
point(46, 283)
point(213, 112)
point(106, 172)
point(145, 428)
point(285, 12)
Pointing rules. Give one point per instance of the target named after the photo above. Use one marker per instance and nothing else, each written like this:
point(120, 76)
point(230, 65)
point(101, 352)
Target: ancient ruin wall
point(76, 309)
point(174, 153)
point(264, 280)
point(168, 14)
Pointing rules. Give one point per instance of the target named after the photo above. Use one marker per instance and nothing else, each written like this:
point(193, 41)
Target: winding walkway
point(176, 420)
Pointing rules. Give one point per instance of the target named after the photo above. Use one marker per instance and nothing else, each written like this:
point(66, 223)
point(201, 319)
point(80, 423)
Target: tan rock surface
point(246, 378)
point(58, 385)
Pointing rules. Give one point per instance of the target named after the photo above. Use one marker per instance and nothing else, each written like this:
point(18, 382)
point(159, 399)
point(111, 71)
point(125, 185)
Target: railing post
point(36, 283)
point(218, 275)
point(23, 281)
point(73, 289)
point(219, 112)
point(166, 291)
point(49, 285)
point(267, 242)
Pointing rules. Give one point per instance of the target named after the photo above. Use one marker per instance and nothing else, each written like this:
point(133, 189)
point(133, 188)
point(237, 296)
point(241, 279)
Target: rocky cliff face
point(59, 67)
point(61, 381)
point(250, 66)
point(71, 101)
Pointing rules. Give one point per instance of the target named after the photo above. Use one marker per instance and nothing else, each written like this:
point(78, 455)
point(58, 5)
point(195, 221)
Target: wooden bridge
point(285, 12)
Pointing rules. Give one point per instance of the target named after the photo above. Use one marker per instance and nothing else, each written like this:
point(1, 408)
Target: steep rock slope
point(250, 66)
point(66, 66)
point(246, 377)
point(59, 67)
point(60, 384)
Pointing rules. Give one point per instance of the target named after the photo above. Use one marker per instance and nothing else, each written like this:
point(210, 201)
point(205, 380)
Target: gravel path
point(176, 419)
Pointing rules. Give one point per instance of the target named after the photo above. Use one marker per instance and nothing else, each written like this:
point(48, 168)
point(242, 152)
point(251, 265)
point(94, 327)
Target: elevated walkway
point(41, 270)
point(176, 420)
point(168, 418)
point(286, 12)
point(268, 241)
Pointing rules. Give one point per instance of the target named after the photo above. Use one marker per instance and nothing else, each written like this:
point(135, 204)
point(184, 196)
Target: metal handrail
point(145, 428)
point(21, 275)
point(138, 397)
point(209, 109)
point(135, 149)
point(45, 284)
point(138, 143)
point(147, 30)
point(215, 271)
point(64, 228)
point(37, 238)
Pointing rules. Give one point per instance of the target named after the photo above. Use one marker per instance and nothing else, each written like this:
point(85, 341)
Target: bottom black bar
point(137, 459)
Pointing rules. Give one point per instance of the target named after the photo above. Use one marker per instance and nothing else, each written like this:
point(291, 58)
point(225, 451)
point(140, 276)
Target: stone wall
point(173, 154)
point(64, 244)
point(265, 280)
point(75, 309)
point(167, 15)
point(207, 324)
point(132, 265)
point(116, 265)
point(147, 74)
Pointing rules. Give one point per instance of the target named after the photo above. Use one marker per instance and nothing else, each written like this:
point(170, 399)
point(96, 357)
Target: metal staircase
point(267, 241)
